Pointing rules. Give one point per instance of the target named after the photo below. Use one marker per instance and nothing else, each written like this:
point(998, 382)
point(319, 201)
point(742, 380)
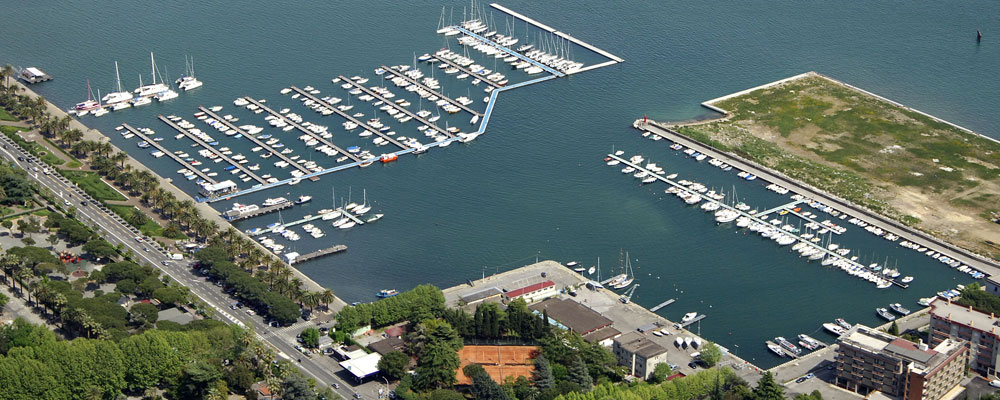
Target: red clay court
point(498, 361)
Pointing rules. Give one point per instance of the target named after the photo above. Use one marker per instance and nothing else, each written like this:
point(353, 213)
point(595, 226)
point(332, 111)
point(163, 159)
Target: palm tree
point(72, 136)
point(326, 297)
point(119, 158)
point(6, 72)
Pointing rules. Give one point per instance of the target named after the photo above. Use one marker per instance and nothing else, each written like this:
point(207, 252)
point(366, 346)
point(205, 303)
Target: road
point(116, 231)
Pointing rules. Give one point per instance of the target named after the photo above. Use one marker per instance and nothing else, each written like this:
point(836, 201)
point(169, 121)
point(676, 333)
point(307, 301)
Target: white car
point(995, 383)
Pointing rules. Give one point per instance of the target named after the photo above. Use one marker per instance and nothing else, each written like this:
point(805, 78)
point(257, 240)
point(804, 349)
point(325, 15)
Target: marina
point(302, 129)
point(258, 212)
point(168, 153)
point(576, 41)
point(254, 139)
point(466, 70)
point(401, 109)
point(212, 149)
point(350, 118)
point(316, 254)
point(412, 81)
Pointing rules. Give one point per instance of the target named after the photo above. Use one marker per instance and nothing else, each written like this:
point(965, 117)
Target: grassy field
point(7, 116)
point(150, 228)
point(887, 158)
point(91, 183)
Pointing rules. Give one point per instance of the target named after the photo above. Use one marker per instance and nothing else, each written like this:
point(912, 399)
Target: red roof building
point(532, 293)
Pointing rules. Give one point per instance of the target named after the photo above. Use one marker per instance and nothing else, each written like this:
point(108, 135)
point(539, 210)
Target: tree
point(100, 249)
point(484, 387)
point(710, 354)
point(3, 301)
point(170, 296)
point(8, 224)
point(295, 387)
point(542, 376)
point(579, 375)
point(660, 373)
point(310, 337)
point(52, 239)
point(394, 364)
point(125, 286)
point(143, 313)
point(768, 389)
point(816, 395)
point(894, 329)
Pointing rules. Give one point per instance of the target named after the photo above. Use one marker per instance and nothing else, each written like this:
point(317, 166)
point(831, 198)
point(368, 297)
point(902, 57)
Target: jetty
point(254, 139)
point(504, 49)
point(753, 217)
point(258, 212)
point(431, 91)
point(551, 30)
point(466, 70)
point(393, 104)
point(170, 154)
point(301, 128)
point(318, 253)
point(348, 117)
point(303, 220)
point(212, 149)
point(786, 351)
point(689, 323)
point(661, 305)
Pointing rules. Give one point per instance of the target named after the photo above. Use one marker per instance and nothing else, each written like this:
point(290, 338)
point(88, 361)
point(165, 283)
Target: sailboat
point(364, 207)
point(119, 96)
point(629, 275)
point(153, 88)
point(615, 280)
point(90, 103)
point(188, 81)
point(100, 110)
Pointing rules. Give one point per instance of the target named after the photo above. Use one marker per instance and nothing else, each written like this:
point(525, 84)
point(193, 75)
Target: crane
point(627, 296)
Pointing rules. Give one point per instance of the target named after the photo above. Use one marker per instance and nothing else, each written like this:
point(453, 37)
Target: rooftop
point(530, 288)
point(640, 345)
point(575, 316)
point(481, 295)
point(605, 333)
point(386, 346)
point(362, 366)
point(176, 315)
point(964, 315)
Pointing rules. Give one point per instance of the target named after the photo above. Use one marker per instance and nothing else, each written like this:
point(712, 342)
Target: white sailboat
point(153, 88)
point(119, 96)
point(188, 81)
point(629, 275)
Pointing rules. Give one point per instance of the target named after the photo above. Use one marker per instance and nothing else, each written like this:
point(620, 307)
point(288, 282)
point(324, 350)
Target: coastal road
point(117, 231)
point(989, 267)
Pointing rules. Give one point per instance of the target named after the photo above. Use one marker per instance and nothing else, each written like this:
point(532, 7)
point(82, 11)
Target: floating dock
point(170, 154)
point(318, 253)
point(468, 71)
point(504, 49)
point(252, 138)
point(259, 212)
point(314, 135)
point(308, 218)
point(212, 149)
point(432, 91)
point(661, 305)
point(393, 104)
point(361, 124)
point(579, 42)
point(754, 217)
point(689, 323)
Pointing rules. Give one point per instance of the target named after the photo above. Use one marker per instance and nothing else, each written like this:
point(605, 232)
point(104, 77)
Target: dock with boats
point(212, 149)
point(314, 135)
point(168, 153)
point(412, 81)
point(392, 104)
point(254, 139)
point(685, 324)
point(787, 352)
point(361, 124)
point(258, 212)
point(467, 71)
point(318, 253)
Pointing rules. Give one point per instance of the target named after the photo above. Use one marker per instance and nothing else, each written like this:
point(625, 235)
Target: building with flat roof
point(577, 318)
point(954, 321)
point(533, 293)
point(636, 351)
point(993, 285)
point(482, 295)
point(363, 366)
point(218, 189)
point(869, 361)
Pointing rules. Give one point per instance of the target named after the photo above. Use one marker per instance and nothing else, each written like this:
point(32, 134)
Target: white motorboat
point(689, 317)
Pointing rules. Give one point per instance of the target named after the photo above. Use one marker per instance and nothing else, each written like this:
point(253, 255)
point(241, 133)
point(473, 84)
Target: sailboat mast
point(152, 66)
point(118, 78)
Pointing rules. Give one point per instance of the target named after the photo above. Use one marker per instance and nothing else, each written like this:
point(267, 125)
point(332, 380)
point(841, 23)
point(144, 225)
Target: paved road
point(117, 231)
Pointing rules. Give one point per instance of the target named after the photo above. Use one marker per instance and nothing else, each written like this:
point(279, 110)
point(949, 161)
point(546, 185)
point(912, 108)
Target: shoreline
point(204, 210)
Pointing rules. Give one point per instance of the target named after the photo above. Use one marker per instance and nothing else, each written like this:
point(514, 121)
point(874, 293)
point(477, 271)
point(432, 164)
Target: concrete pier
point(170, 154)
point(520, 56)
point(302, 129)
point(661, 305)
point(392, 104)
point(432, 91)
point(361, 124)
point(212, 149)
point(579, 42)
point(259, 212)
point(319, 253)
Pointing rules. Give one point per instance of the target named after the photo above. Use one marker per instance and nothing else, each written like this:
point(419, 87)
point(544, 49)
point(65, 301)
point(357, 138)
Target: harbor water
point(535, 184)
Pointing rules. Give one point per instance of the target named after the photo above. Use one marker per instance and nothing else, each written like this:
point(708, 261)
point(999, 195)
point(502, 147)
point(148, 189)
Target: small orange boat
point(797, 209)
point(387, 158)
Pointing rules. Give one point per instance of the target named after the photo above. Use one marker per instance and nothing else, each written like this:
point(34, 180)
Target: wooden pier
point(351, 118)
point(318, 253)
point(753, 217)
point(212, 149)
point(260, 211)
point(316, 136)
point(468, 71)
point(393, 104)
point(432, 91)
point(164, 150)
point(254, 139)
point(661, 305)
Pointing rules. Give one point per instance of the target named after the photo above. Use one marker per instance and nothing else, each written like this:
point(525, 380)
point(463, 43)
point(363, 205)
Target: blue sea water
point(535, 184)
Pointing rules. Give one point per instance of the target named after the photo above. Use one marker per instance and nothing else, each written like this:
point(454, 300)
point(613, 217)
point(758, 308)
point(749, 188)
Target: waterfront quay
point(625, 317)
point(906, 233)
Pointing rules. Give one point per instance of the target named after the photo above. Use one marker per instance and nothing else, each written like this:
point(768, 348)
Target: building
point(640, 354)
point(575, 317)
point(500, 362)
point(869, 361)
point(34, 75)
point(218, 189)
point(950, 320)
point(993, 285)
point(533, 293)
point(491, 294)
point(176, 315)
point(388, 345)
point(362, 366)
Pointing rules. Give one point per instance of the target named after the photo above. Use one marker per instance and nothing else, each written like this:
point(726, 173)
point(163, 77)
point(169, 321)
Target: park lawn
point(7, 116)
point(34, 148)
point(150, 228)
point(91, 183)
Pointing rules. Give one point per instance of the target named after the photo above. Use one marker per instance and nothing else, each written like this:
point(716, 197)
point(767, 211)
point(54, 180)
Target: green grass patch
point(149, 228)
point(74, 164)
point(91, 183)
point(7, 116)
point(42, 213)
point(7, 129)
point(61, 150)
point(34, 148)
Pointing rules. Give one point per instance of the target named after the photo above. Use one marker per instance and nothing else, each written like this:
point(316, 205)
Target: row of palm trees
point(18, 271)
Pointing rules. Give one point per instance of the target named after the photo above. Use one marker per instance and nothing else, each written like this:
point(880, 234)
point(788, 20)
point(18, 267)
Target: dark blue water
point(535, 185)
